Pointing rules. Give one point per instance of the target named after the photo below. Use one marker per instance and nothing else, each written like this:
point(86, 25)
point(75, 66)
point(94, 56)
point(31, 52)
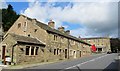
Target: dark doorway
point(3, 53)
point(65, 53)
point(80, 53)
point(99, 49)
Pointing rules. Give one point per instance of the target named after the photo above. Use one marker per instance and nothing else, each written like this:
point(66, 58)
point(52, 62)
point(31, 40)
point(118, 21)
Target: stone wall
point(22, 58)
point(59, 48)
point(103, 42)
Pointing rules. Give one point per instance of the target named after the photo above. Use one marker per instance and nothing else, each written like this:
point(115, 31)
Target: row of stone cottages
point(30, 41)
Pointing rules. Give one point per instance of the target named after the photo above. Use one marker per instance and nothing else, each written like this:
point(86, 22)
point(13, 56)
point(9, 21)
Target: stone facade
point(19, 48)
point(59, 45)
point(102, 43)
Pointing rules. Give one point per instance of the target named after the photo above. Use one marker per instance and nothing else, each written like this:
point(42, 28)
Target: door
point(80, 53)
point(3, 53)
point(74, 54)
point(65, 53)
point(100, 50)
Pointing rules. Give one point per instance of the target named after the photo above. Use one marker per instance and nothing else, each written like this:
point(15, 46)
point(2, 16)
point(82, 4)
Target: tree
point(0, 15)
point(9, 16)
point(10, 7)
point(115, 44)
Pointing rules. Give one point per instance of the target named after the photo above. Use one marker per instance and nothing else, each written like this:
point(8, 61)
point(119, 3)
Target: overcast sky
point(82, 18)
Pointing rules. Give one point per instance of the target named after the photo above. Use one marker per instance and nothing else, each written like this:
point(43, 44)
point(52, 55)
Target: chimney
point(51, 24)
point(67, 32)
point(61, 29)
point(34, 20)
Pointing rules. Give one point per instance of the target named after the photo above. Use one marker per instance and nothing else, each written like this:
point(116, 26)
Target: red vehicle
point(93, 48)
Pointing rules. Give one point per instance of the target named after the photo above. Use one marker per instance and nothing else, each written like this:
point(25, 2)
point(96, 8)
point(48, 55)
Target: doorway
point(99, 49)
point(3, 51)
point(80, 53)
point(74, 54)
point(65, 53)
point(3, 54)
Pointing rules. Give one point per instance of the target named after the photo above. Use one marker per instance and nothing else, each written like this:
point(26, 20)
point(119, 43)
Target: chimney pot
point(61, 29)
point(51, 24)
point(67, 32)
point(34, 20)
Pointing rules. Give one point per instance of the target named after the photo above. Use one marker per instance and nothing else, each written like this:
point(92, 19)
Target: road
point(101, 62)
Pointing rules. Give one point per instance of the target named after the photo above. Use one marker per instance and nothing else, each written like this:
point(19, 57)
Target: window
point(54, 51)
point(19, 25)
point(55, 37)
point(35, 30)
point(50, 50)
point(36, 50)
point(28, 35)
point(57, 51)
point(71, 52)
point(25, 26)
point(60, 50)
point(42, 49)
point(63, 50)
point(27, 50)
point(32, 50)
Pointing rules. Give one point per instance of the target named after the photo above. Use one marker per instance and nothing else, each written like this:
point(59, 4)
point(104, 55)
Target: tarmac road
point(101, 62)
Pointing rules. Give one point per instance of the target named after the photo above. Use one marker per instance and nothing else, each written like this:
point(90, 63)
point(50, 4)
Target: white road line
point(86, 62)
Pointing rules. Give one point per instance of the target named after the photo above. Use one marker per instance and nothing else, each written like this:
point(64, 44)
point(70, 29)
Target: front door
point(80, 53)
point(3, 53)
point(74, 54)
point(99, 49)
point(65, 53)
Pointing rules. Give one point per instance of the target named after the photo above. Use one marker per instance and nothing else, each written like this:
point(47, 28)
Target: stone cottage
point(22, 48)
point(102, 43)
point(30, 41)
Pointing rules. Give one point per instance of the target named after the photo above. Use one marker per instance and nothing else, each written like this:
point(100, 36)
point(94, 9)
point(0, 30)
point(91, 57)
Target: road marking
point(86, 62)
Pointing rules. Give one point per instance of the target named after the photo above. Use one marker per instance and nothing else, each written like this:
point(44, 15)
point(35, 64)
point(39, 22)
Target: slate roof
point(95, 38)
point(25, 39)
point(49, 29)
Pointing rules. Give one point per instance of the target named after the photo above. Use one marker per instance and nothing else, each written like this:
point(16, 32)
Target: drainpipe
point(13, 52)
point(68, 48)
point(1, 46)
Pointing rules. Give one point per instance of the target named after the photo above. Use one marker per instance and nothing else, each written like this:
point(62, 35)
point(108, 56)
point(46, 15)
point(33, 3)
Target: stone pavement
point(2, 66)
point(27, 65)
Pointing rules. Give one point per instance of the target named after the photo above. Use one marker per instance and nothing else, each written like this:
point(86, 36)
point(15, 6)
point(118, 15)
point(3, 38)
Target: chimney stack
point(51, 24)
point(61, 29)
point(67, 32)
point(34, 20)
